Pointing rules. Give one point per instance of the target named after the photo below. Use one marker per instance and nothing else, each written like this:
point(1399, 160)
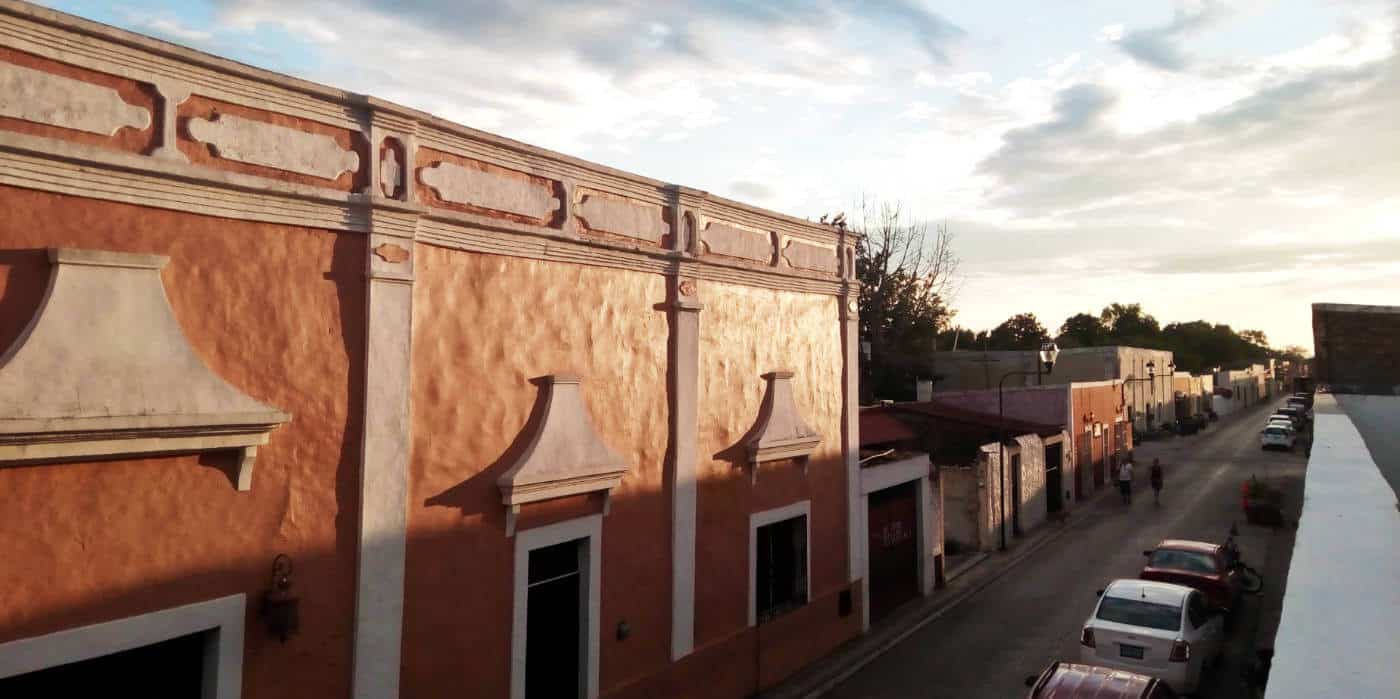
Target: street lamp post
point(1048, 352)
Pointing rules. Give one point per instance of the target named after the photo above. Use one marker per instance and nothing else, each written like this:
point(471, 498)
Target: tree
point(1082, 330)
point(1128, 325)
point(1019, 332)
point(1255, 337)
point(907, 274)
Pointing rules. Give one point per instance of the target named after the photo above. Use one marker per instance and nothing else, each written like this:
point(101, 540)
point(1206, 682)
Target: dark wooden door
point(1054, 480)
point(554, 621)
point(1083, 465)
point(894, 547)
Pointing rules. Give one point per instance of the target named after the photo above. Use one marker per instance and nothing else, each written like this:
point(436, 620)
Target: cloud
point(1160, 47)
point(755, 191)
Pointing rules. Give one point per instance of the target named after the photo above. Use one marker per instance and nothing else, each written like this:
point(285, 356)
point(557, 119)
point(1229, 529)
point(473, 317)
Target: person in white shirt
point(1125, 480)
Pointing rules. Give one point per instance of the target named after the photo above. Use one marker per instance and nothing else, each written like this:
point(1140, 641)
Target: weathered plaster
point(478, 187)
point(734, 241)
point(276, 311)
point(612, 214)
point(278, 147)
point(491, 323)
point(801, 333)
point(35, 95)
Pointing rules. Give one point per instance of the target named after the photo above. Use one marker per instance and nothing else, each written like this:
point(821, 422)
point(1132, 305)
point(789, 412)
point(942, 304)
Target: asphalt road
point(1020, 623)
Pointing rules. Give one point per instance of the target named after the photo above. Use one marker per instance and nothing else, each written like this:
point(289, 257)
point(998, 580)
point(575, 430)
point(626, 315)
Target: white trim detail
point(46, 98)
point(766, 517)
point(873, 478)
point(223, 650)
point(684, 350)
point(780, 431)
point(877, 478)
point(104, 369)
point(590, 528)
point(564, 455)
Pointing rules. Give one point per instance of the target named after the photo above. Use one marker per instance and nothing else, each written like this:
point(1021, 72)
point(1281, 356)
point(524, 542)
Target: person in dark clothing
point(1156, 476)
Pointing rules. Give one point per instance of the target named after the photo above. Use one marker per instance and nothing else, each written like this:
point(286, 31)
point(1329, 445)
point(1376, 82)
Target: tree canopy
point(907, 274)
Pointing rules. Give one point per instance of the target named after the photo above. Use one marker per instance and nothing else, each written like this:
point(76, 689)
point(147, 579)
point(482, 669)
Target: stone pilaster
point(683, 313)
point(385, 449)
point(856, 523)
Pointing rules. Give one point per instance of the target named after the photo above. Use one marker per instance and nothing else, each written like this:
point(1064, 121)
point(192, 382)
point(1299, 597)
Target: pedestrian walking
point(1156, 475)
point(1125, 480)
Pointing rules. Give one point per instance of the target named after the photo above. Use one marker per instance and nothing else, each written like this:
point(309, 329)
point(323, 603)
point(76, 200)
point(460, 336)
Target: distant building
point(1148, 391)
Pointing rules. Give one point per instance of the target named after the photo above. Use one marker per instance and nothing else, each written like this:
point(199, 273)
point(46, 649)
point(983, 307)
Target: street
point(1031, 616)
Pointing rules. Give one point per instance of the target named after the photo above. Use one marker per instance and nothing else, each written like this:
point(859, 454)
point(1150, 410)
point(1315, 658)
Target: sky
point(1227, 161)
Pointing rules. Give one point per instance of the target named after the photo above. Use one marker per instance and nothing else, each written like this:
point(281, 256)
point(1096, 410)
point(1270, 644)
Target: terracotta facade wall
point(278, 312)
point(745, 333)
point(1104, 403)
point(484, 326)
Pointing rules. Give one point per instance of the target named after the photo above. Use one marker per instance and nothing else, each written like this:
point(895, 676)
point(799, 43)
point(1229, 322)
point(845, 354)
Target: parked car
point(1292, 418)
point(1076, 681)
point(1154, 628)
point(1301, 415)
point(1283, 422)
point(1210, 568)
point(1278, 438)
point(1307, 398)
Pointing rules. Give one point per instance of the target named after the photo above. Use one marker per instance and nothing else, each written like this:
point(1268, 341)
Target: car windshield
point(1193, 561)
point(1135, 612)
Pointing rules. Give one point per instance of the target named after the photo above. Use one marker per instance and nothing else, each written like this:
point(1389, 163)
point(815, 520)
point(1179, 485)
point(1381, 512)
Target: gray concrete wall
point(961, 505)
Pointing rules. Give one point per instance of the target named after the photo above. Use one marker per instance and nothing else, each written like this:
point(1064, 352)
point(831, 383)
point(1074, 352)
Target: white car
point(1154, 628)
point(1277, 436)
point(1283, 422)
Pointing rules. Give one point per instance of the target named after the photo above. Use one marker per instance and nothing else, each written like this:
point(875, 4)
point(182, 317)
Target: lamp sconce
point(279, 605)
point(623, 630)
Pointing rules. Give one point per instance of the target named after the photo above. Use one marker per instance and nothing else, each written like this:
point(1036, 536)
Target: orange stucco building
point(513, 424)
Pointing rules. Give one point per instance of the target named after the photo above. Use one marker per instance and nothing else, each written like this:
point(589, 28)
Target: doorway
point(1084, 465)
point(1054, 478)
point(894, 550)
point(172, 668)
point(554, 642)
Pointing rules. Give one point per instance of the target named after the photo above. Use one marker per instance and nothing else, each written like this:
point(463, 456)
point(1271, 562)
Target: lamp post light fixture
point(280, 606)
point(1046, 360)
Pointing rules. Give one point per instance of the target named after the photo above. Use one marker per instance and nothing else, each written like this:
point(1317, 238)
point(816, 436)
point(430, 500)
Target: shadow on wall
point(23, 290)
point(478, 495)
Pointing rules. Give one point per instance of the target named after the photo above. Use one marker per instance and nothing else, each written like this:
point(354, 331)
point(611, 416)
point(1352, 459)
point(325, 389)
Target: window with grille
point(780, 571)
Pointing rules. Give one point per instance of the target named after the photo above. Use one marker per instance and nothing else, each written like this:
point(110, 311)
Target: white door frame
point(877, 478)
point(590, 528)
point(223, 649)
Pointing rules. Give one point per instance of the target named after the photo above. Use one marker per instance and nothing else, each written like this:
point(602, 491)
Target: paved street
point(1031, 616)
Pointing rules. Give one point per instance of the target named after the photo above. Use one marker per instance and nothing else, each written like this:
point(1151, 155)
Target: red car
point(1207, 567)
point(1076, 681)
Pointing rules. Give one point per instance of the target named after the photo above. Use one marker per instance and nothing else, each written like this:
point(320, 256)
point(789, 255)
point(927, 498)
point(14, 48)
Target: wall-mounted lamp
point(279, 605)
point(623, 630)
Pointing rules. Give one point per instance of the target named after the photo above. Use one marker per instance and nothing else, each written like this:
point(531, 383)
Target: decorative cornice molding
point(780, 432)
point(563, 455)
point(622, 204)
point(105, 370)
